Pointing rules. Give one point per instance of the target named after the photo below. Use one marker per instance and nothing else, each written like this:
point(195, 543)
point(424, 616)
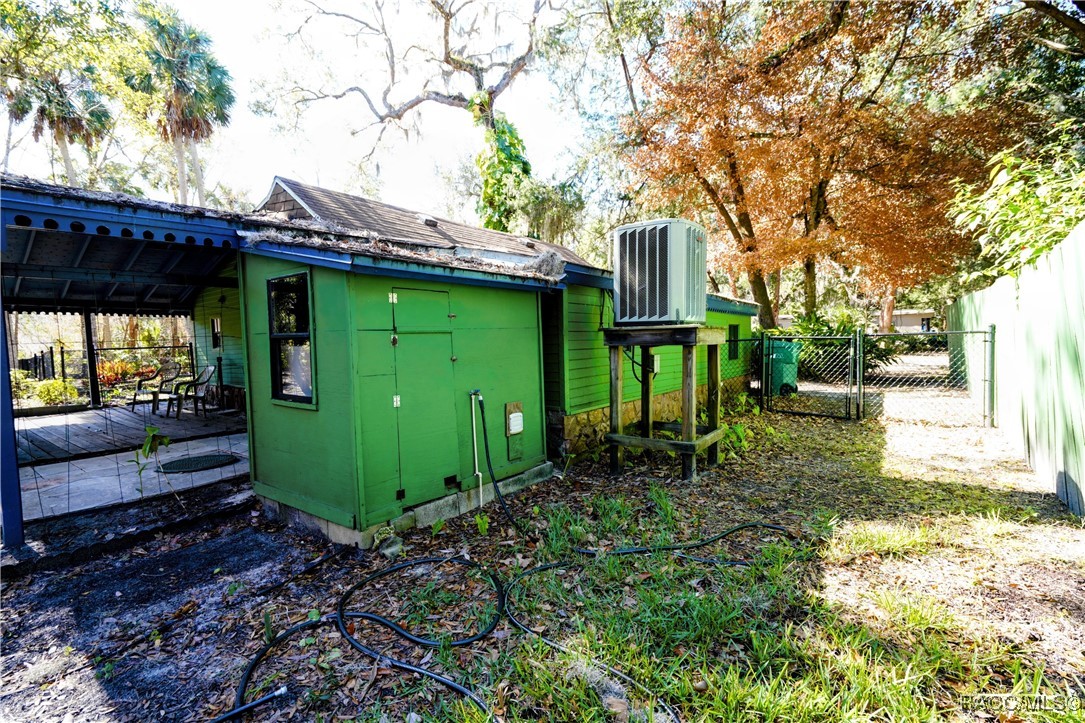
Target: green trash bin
point(785, 367)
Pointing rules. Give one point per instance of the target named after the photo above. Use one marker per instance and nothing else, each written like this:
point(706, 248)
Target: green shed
point(366, 328)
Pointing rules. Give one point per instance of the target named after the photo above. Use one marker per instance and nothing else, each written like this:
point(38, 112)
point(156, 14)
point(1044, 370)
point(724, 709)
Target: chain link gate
point(935, 377)
point(810, 375)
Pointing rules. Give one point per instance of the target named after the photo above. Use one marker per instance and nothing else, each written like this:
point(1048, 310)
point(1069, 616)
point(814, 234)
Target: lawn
point(922, 577)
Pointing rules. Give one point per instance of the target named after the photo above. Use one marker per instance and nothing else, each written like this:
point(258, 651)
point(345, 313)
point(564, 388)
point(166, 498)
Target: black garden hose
point(504, 608)
point(489, 465)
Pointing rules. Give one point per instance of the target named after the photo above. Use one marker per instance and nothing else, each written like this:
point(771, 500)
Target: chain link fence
point(939, 377)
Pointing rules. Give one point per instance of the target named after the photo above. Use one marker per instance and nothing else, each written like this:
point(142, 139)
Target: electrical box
point(514, 429)
point(660, 272)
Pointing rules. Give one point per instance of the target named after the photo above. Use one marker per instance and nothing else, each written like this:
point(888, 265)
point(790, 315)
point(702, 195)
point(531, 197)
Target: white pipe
point(474, 445)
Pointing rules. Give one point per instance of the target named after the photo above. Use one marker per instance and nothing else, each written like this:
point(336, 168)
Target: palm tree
point(69, 107)
point(194, 89)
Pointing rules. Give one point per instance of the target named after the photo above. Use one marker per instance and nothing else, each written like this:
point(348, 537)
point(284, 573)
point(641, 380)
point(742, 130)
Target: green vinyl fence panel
point(1039, 361)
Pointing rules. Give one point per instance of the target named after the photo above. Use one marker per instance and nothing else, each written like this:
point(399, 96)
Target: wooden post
point(617, 456)
point(92, 360)
point(689, 408)
point(646, 416)
point(713, 401)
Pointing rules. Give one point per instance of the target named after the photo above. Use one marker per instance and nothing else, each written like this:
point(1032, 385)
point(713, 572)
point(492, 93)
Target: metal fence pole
point(63, 366)
point(989, 392)
point(761, 392)
point(860, 371)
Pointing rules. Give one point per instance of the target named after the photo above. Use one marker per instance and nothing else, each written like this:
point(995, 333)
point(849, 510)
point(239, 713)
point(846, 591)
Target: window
point(732, 341)
point(216, 333)
point(925, 323)
point(291, 352)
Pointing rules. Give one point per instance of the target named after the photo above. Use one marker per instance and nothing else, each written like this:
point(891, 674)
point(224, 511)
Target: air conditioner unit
point(660, 272)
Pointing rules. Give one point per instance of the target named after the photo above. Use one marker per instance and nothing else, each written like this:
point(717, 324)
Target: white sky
point(249, 152)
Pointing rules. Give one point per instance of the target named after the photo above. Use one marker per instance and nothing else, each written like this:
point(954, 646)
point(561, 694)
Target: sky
point(246, 155)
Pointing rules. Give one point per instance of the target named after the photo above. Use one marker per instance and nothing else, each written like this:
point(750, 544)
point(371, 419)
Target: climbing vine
point(503, 167)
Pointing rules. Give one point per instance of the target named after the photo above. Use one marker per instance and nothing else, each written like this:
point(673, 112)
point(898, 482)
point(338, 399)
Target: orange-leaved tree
point(803, 131)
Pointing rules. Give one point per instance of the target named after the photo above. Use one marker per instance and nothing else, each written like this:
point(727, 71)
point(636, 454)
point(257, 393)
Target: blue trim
point(732, 306)
point(588, 276)
point(39, 206)
point(393, 267)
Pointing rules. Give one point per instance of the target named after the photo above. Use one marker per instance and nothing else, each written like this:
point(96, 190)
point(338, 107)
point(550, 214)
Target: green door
point(428, 434)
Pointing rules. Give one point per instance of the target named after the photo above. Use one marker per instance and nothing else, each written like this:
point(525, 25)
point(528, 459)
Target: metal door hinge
point(393, 298)
point(395, 400)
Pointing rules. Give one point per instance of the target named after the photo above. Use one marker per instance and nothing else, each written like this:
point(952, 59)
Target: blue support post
point(11, 497)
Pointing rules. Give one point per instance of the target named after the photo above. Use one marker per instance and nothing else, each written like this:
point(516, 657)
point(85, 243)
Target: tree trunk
point(69, 169)
point(105, 331)
point(809, 286)
point(732, 279)
point(776, 278)
point(713, 285)
point(765, 316)
point(885, 323)
point(182, 175)
point(132, 332)
point(7, 145)
point(198, 171)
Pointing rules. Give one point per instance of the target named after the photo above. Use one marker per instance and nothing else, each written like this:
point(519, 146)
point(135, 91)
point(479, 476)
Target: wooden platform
point(689, 444)
point(93, 432)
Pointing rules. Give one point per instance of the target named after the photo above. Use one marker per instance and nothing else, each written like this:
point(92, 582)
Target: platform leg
point(689, 408)
point(646, 392)
point(617, 456)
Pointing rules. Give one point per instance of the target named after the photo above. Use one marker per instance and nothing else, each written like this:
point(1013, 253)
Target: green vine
point(502, 164)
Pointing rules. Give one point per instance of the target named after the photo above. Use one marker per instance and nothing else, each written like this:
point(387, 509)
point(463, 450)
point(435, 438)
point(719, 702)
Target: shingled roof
point(392, 224)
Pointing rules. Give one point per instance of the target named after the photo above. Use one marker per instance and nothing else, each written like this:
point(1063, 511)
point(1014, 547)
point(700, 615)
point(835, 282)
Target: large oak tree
point(807, 131)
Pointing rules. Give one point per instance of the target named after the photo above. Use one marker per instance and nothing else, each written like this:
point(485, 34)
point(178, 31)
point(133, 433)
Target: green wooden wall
point(304, 456)
point(354, 457)
point(494, 335)
point(586, 382)
point(226, 305)
point(1039, 361)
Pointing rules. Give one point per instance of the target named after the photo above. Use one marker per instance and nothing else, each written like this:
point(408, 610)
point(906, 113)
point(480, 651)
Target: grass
point(764, 642)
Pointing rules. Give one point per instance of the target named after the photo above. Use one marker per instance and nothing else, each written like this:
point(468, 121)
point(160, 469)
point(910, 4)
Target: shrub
point(820, 360)
point(56, 391)
point(114, 372)
point(22, 385)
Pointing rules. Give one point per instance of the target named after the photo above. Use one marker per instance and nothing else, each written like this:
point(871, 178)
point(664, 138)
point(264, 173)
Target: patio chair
point(165, 375)
point(196, 389)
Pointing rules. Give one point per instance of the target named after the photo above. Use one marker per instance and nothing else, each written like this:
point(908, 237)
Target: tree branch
point(1075, 26)
point(809, 39)
point(869, 100)
point(717, 202)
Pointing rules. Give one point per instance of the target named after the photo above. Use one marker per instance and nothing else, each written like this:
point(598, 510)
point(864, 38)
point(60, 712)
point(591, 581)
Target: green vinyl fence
point(1039, 360)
